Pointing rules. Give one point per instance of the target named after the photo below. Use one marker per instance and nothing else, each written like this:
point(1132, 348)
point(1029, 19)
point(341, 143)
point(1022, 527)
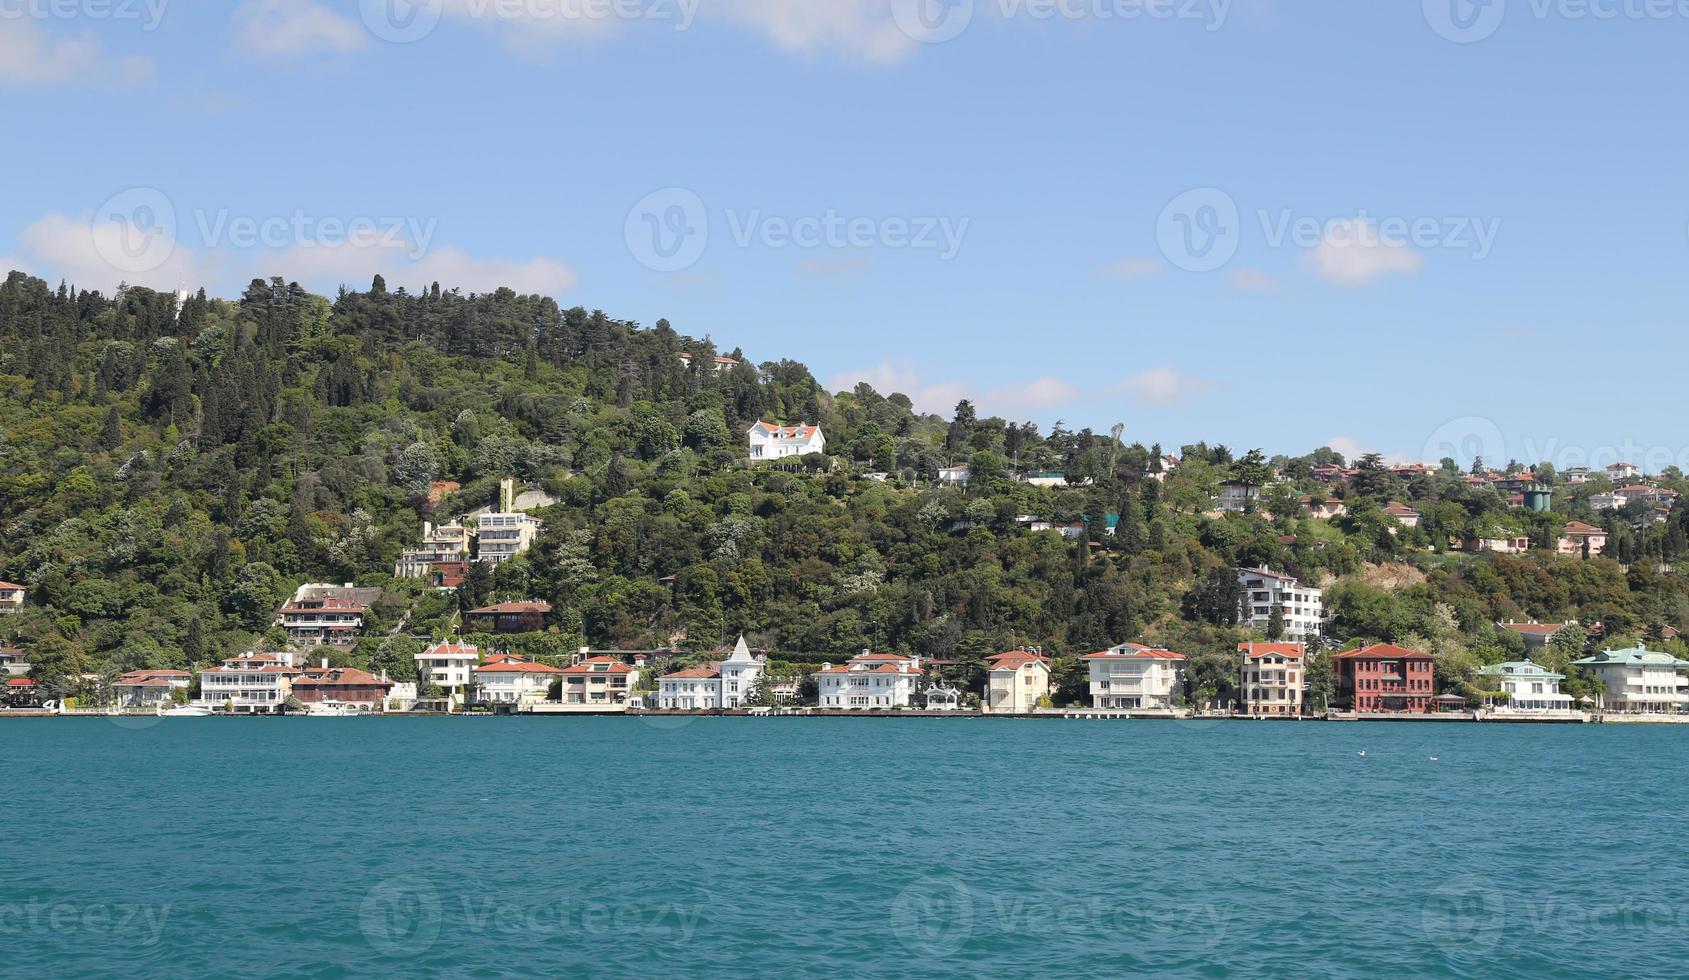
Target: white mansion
point(726, 684)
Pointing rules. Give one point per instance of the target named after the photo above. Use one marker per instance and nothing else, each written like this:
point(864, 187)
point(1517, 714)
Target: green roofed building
point(1640, 680)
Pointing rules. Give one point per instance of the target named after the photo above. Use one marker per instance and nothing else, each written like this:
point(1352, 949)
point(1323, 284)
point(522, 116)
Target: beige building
point(1017, 680)
point(1273, 679)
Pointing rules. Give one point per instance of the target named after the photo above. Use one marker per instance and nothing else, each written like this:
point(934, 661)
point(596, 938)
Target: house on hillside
point(11, 597)
point(14, 662)
point(1536, 635)
point(446, 544)
point(1402, 514)
point(326, 614)
point(1132, 676)
point(1498, 544)
point(770, 441)
point(1578, 538)
point(720, 364)
point(955, 476)
point(502, 534)
point(1323, 510)
point(1622, 471)
point(510, 617)
point(1302, 606)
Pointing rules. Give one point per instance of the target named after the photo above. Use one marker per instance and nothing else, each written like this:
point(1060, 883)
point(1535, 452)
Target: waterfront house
point(510, 617)
point(1529, 688)
point(1578, 539)
point(21, 692)
point(11, 597)
point(770, 441)
point(342, 685)
point(1639, 680)
point(147, 688)
point(1015, 681)
point(598, 682)
point(1302, 606)
point(869, 681)
point(252, 683)
point(1385, 677)
point(1134, 676)
point(1273, 679)
point(448, 666)
point(505, 679)
point(718, 684)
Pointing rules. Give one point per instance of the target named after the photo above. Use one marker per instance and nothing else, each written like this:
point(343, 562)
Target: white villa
point(147, 688)
point(1133, 676)
point(1640, 680)
point(1303, 606)
point(511, 680)
point(726, 684)
point(1529, 688)
point(770, 441)
point(446, 543)
point(869, 681)
point(604, 682)
point(450, 666)
point(1015, 682)
point(253, 683)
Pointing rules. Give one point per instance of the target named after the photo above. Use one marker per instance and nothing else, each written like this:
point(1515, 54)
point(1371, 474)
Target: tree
point(111, 433)
point(1217, 598)
point(1275, 623)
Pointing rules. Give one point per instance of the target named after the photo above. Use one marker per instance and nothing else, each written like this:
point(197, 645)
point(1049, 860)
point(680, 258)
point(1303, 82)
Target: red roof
point(1251, 651)
point(20, 682)
point(340, 677)
point(449, 649)
point(513, 607)
point(1015, 660)
point(517, 667)
point(610, 664)
point(1579, 527)
point(695, 673)
point(9, 586)
point(1135, 651)
point(1389, 650)
point(1535, 629)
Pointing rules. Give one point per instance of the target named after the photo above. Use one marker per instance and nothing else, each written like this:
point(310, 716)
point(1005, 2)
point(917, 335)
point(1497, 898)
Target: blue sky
point(1399, 226)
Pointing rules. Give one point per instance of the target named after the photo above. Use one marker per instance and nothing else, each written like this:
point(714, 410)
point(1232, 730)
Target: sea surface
point(705, 847)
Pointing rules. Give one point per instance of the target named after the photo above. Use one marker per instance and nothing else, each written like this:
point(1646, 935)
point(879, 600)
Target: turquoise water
point(617, 847)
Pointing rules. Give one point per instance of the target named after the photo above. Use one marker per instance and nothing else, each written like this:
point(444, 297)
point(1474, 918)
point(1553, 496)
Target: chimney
point(507, 495)
point(325, 663)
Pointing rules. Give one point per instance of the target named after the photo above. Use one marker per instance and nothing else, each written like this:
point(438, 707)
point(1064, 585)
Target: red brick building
point(1385, 678)
point(344, 685)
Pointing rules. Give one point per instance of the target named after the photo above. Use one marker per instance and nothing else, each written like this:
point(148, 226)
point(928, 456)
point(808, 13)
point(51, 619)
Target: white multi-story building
point(446, 543)
point(500, 537)
point(1134, 676)
point(512, 680)
point(448, 666)
point(770, 441)
point(1640, 680)
point(1530, 689)
point(869, 681)
point(1303, 606)
point(1273, 679)
point(1015, 681)
point(726, 684)
point(11, 597)
point(253, 683)
point(603, 682)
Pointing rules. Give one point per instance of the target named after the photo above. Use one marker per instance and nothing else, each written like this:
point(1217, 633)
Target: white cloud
point(326, 268)
point(940, 397)
point(8, 265)
point(287, 28)
point(859, 28)
point(1352, 450)
point(1164, 386)
point(31, 56)
point(1127, 270)
point(95, 256)
point(827, 268)
point(1247, 278)
point(1352, 253)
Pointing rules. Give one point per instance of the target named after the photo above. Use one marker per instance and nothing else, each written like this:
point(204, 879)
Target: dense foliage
point(169, 476)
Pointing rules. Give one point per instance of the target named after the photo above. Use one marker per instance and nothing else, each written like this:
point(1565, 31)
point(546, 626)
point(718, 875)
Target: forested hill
point(168, 477)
